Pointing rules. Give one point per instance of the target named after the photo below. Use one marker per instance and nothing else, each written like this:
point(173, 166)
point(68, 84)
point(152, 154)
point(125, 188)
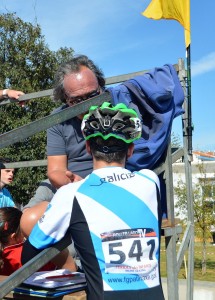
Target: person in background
point(11, 243)
point(6, 178)
point(11, 240)
point(118, 247)
point(7, 93)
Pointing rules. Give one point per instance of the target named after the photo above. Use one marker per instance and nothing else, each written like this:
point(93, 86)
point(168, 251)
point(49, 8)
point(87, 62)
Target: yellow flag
point(178, 10)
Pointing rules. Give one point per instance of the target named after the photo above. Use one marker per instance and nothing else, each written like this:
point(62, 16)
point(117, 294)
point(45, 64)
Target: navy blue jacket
point(158, 97)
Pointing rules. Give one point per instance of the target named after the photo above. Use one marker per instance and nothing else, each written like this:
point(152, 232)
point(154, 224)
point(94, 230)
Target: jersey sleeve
point(53, 225)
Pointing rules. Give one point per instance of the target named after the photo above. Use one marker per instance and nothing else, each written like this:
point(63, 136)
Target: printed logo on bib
point(130, 251)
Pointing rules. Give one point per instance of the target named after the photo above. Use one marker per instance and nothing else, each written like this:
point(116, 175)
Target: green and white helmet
point(108, 121)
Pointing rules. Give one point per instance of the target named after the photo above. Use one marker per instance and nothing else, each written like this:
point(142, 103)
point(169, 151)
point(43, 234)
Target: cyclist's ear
point(130, 150)
point(88, 147)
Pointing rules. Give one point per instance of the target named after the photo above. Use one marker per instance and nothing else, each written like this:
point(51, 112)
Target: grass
point(210, 262)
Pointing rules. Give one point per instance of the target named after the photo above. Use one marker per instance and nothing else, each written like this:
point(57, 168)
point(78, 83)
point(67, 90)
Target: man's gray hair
point(70, 67)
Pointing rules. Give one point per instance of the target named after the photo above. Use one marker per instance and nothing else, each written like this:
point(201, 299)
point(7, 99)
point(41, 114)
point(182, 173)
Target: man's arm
point(58, 173)
point(57, 167)
point(52, 228)
point(7, 93)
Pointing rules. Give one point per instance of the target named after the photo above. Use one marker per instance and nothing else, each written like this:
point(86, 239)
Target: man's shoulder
point(65, 125)
point(59, 108)
point(73, 121)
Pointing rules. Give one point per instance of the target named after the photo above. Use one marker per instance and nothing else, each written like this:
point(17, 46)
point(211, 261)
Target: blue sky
point(120, 40)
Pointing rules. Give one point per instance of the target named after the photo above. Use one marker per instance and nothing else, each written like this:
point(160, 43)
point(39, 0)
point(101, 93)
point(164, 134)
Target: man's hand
point(73, 177)
point(14, 94)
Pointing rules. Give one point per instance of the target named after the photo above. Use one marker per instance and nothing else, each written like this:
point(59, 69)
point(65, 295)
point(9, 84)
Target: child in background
point(11, 240)
point(6, 177)
point(11, 243)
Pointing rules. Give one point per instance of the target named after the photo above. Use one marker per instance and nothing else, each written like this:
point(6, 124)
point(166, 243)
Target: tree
point(29, 65)
point(203, 193)
point(175, 140)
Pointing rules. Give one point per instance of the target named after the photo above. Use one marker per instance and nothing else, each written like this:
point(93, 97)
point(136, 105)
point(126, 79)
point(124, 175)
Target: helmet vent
point(94, 124)
point(107, 121)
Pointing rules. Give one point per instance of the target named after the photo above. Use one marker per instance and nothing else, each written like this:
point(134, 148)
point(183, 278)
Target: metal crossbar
point(31, 266)
point(45, 93)
point(39, 163)
point(25, 131)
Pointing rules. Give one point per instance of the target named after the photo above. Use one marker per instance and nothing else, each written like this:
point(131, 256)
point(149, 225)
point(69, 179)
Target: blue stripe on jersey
point(120, 198)
point(116, 281)
point(144, 175)
point(37, 235)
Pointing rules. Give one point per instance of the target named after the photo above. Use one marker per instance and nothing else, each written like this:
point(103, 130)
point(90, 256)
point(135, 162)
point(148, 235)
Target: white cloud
point(203, 65)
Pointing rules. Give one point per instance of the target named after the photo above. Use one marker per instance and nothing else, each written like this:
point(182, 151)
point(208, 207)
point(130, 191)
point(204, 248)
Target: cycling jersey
point(113, 218)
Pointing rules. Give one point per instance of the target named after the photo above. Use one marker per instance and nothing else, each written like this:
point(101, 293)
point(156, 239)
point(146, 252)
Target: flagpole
point(189, 107)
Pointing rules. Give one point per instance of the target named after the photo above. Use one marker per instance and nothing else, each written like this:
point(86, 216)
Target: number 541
point(135, 251)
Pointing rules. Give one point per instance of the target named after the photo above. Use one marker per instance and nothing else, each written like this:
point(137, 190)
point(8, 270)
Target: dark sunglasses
point(79, 99)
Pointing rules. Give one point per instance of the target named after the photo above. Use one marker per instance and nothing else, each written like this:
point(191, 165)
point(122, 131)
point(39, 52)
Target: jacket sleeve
point(157, 96)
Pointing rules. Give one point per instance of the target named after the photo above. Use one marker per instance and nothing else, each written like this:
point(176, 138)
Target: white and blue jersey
point(113, 218)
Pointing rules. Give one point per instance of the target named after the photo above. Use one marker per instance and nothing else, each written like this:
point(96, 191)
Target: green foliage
point(209, 276)
point(203, 215)
point(27, 64)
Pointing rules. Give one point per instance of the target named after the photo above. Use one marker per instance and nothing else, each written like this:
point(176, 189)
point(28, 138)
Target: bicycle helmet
point(108, 121)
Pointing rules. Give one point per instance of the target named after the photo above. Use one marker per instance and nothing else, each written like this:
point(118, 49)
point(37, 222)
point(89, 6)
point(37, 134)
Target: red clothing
point(11, 256)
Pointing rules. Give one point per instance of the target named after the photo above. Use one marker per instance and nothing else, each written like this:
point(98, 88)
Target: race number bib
point(130, 251)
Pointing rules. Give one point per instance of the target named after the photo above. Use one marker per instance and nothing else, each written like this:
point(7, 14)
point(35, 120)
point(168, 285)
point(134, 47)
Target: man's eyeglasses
point(79, 99)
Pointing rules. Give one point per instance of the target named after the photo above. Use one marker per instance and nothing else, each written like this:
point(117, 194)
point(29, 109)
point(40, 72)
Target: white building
point(203, 167)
